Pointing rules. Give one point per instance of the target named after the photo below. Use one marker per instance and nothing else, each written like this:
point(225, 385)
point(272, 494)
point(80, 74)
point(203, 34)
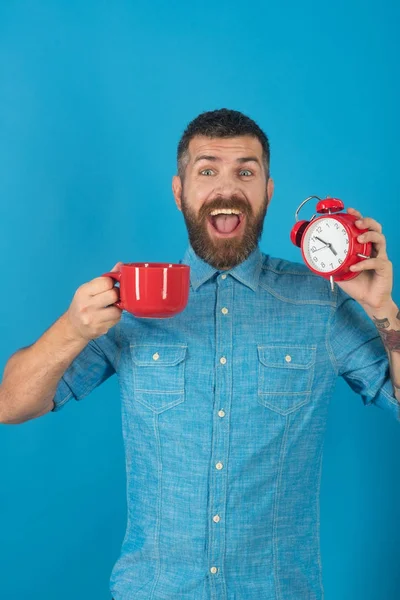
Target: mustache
point(231, 202)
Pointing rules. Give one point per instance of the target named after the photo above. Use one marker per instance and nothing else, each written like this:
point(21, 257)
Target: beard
point(223, 253)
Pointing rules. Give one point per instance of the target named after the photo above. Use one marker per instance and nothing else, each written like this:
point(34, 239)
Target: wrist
point(70, 333)
point(389, 310)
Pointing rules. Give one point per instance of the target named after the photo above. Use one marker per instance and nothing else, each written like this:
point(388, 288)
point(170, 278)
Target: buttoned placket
point(221, 414)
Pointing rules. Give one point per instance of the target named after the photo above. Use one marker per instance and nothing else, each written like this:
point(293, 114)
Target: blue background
point(93, 99)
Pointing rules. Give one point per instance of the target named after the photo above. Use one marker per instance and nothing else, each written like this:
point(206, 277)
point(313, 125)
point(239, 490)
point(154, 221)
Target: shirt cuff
point(62, 395)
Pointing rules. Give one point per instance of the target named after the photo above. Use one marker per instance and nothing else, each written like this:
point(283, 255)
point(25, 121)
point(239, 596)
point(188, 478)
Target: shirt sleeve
point(95, 364)
point(359, 356)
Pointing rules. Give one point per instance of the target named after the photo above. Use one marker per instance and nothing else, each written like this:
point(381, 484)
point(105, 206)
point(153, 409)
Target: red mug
point(152, 290)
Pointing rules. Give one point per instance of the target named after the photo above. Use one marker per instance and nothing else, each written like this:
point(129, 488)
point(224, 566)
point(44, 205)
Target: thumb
point(116, 267)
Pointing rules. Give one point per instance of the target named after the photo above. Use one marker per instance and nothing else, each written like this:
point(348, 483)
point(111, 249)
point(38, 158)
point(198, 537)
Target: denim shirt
point(224, 410)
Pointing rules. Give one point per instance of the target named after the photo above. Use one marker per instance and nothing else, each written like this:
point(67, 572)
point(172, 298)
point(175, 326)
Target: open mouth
point(226, 222)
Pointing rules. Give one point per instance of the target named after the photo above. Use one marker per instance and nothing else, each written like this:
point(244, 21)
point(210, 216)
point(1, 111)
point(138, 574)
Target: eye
point(246, 171)
point(206, 171)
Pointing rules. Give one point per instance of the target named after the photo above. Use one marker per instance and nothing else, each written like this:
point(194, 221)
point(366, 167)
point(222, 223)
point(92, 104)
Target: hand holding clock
point(373, 287)
point(347, 238)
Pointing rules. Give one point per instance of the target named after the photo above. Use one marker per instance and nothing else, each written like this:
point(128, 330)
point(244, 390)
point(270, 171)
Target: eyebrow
point(243, 159)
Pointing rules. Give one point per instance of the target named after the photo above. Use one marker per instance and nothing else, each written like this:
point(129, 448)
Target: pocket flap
point(158, 354)
point(287, 356)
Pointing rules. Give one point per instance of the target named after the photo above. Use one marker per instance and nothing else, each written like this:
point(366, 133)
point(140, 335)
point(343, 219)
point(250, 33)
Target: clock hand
point(318, 238)
point(322, 247)
point(326, 244)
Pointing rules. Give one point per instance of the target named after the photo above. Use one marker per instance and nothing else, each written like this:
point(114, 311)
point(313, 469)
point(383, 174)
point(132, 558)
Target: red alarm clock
point(329, 243)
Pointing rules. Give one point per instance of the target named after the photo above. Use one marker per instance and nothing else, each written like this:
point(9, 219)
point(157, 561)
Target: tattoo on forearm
point(381, 323)
point(391, 341)
point(390, 337)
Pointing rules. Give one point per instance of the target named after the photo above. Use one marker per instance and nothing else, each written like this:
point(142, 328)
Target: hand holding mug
point(93, 310)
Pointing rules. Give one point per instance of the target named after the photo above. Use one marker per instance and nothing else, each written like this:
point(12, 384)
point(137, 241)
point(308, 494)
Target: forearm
point(31, 375)
point(387, 321)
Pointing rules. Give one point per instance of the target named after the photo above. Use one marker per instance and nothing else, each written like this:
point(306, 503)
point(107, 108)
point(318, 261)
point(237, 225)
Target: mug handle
point(117, 276)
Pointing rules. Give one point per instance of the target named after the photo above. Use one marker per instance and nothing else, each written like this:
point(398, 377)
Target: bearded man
point(224, 406)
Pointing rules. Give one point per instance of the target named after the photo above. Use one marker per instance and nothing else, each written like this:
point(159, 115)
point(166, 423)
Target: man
point(224, 406)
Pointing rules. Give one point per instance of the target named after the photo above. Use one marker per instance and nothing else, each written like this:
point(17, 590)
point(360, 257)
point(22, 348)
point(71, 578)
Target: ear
point(270, 189)
point(177, 191)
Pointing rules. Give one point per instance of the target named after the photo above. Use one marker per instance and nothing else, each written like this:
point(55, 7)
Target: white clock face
point(326, 244)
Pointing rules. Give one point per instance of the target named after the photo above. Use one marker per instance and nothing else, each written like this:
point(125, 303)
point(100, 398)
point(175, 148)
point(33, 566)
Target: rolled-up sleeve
point(94, 364)
point(359, 356)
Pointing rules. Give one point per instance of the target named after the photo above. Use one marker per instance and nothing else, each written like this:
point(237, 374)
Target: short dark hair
point(221, 123)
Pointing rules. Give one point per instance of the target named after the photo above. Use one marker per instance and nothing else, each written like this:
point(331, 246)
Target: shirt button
point(213, 569)
point(216, 518)
point(222, 360)
point(224, 311)
point(221, 413)
point(156, 356)
point(288, 358)
point(219, 466)
point(223, 276)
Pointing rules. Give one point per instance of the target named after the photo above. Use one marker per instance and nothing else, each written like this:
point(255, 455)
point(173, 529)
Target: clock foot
point(332, 283)
point(362, 255)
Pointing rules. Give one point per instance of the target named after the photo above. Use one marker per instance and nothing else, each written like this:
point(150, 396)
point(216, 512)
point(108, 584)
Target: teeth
point(225, 211)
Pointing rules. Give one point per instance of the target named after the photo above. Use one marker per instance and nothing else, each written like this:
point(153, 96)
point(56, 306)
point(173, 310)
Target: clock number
point(319, 229)
point(337, 225)
point(340, 261)
point(331, 264)
point(347, 240)
point(315, 258)
point(323, 265)
point(345, 251)
point(313, 249)
point(344, 231)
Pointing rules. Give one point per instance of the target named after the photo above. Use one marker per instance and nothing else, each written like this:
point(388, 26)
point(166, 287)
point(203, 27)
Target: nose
point(226, 188)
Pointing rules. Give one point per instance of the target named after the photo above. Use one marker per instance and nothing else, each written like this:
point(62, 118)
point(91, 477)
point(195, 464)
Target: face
point(224, 198)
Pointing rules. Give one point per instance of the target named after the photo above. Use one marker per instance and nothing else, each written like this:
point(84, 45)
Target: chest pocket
point(159, 375)
point(285, 376)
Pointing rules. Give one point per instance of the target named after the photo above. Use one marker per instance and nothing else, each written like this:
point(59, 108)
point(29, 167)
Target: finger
point(368, 223)
point(378, 239)
point(106, 298)
point(356, 213)
point(99, 285)
point(380, 265)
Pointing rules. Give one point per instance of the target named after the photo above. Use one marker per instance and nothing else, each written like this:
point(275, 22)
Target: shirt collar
point(247, 272)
